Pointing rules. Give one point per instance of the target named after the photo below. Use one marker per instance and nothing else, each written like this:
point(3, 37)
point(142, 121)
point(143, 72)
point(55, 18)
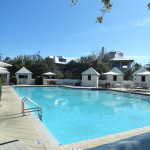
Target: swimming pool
point(74, 115)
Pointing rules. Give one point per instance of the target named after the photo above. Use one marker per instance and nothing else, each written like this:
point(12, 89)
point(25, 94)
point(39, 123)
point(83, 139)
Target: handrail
point(38, 108)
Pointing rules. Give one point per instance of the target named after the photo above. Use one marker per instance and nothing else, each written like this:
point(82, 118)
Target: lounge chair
point(141, 87)
point(14, 145)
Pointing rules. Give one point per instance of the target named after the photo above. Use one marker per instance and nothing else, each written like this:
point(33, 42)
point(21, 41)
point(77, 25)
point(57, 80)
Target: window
point(89, 77)
point(23, 76)
point(114, 78)
point(143, 78)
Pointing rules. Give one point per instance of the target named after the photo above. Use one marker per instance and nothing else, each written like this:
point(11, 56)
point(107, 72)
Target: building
point(117, 60)
point(24, 76)
point(59, 59)
point(4, 74)
point(141, 76)
point(90, 78)
point(114, 77)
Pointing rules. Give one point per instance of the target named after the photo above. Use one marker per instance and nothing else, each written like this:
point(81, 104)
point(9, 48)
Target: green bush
point(38, 80)
point(13, 80)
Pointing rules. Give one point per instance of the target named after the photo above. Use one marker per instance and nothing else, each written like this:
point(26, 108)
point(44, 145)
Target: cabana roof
point(114, 71)
point(4, 71)
point(140, 71)
point(3, 64)
point(23, 70)
point(90, 71)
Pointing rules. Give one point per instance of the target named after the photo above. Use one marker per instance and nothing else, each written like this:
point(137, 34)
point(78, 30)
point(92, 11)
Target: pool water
point(74, 115)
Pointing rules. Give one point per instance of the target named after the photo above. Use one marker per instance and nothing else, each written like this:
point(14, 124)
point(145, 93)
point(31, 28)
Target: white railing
point(38, 108)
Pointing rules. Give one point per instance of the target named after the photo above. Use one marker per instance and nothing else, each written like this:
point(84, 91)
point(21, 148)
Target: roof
point(3, 64)
point(114, 71)
point(90, 71)
point(121, 59)
point(4, 71)
point(23, 70)
point(140, 71)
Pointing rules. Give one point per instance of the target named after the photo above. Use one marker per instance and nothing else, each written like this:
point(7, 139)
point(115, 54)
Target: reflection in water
point(60, 102)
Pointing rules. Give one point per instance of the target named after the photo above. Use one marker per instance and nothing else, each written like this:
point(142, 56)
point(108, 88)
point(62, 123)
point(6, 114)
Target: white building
point(114, 77)
point(59, 59)
point(24, 76)
point(141, 76)
point(5, 75)
point(117, 60)
point(90, 78)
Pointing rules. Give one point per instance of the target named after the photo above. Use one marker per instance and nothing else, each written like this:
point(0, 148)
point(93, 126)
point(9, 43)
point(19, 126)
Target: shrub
point(39, 80)
point(13, 80)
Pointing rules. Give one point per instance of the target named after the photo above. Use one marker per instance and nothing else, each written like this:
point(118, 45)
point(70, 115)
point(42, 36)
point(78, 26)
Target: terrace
point(13, 125)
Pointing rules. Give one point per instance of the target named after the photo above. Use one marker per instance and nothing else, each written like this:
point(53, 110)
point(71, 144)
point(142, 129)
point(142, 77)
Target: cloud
point(71, 58)
point(134, 24)
point(93, 31)
point(141, 22)
point(140, 59)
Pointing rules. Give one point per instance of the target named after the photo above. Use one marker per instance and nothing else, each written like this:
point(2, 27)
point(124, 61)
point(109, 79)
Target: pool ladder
point(37, 108)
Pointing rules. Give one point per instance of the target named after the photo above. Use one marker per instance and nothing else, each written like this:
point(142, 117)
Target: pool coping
point(87, 143)
point(45, 135)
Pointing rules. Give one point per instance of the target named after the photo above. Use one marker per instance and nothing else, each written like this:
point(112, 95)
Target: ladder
point(27, 110)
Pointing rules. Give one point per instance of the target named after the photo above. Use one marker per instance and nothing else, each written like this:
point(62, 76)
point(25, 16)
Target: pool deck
point(13, 126)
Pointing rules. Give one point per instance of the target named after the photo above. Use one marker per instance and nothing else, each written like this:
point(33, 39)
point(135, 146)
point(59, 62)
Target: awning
point(111, 73)
point(146, 73)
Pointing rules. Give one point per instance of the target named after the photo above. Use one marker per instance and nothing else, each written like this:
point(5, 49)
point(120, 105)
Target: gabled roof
point(90, 71)
point(23, 70)
point(4, 71)
point(114, 71)
point(140, 71)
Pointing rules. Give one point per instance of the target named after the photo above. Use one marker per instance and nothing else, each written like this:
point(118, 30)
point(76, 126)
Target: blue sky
point(53, 27)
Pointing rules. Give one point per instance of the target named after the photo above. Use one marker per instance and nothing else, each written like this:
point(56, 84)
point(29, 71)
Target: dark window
point(23, 76)
point(114, 78)
point(89, 77)
point(143, 78)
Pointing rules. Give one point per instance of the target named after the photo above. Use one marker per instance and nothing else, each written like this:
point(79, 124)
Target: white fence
point(78, 82)
point(61, 81)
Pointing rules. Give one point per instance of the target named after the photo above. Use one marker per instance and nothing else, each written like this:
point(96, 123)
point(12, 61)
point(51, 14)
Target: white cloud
point(141, 22)
point(93, 31)
point(134, 24)
point(71, 58)
point(140, 59)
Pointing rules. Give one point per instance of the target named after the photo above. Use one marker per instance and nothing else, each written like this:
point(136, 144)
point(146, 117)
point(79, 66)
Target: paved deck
point(29, 129)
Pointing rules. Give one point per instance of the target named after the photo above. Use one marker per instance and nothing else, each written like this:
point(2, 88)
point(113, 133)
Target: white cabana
point(5, 75)
point(114, 77)
point(90, 78)
point(141, 76)
point(23, 76)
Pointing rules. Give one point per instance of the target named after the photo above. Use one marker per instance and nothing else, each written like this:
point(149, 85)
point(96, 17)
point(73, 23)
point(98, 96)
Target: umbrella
point(3, 64)
point(146, 73)
point(49, 74)
point(111, 73)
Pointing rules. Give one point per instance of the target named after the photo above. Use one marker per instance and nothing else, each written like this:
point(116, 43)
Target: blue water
point(74, 115)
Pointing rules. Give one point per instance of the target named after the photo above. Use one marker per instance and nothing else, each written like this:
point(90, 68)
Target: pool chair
point(14, 145)
point(141, 87)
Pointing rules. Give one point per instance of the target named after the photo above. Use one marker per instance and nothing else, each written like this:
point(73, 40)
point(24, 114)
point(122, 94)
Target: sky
point(55, 28)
